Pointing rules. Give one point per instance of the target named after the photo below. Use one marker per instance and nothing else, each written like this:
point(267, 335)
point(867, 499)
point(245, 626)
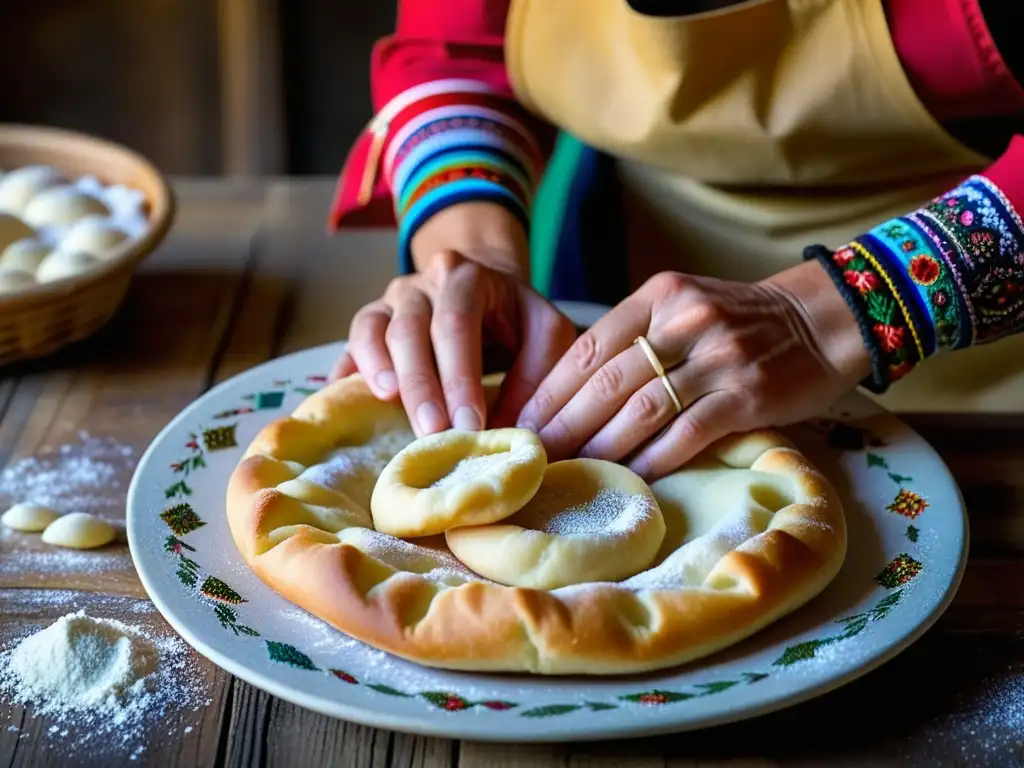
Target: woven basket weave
point(41, 319)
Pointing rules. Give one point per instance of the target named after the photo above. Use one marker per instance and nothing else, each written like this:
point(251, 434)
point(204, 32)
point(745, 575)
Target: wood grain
point(247, 275)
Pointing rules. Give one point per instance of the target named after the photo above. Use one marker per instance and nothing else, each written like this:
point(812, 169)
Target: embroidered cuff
point(454, 148)
point(947, 276)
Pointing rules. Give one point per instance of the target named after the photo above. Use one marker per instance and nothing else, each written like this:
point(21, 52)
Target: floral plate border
point(197, 573)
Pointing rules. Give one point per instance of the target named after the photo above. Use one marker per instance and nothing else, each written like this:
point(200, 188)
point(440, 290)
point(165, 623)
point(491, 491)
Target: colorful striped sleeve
point(454, 142)
point(946, 276)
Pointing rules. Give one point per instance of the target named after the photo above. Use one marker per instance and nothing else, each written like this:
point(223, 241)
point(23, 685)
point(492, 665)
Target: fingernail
point(467, 418)
point(529, 425)
point(430, 418)
point(641, 468)
point(387, 380)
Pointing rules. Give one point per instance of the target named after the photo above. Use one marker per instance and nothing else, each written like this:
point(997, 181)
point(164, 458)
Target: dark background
point(151, 74)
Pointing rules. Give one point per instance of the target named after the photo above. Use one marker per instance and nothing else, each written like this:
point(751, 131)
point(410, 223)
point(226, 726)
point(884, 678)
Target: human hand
point(739, 357)
point(423, 340)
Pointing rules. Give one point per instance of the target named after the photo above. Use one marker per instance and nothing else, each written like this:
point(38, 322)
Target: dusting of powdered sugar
point(105, 684)
point(474, 468)
point(434, 564)
point(354, 469)
point(609, 512)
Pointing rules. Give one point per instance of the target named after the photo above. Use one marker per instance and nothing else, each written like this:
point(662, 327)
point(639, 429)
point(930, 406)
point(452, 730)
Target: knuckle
point(645, 407)
point(704, 314)
point(543, 400)
point(584, 353)
point(402, 329)
point(415, 385)
point(667, 282)
point(458, 383)
point(444, 263)
point(450, 323)
point(607, 381)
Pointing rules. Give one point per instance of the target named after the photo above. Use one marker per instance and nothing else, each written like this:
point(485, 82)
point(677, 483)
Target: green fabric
point(548, 212)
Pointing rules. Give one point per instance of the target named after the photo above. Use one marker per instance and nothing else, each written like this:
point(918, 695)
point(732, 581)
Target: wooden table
point(248, 275)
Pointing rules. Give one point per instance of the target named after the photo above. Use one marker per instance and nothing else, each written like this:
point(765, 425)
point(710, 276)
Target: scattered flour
point(611, 512)
point(435, 564)
point(72, 478)
point(105, 682)
point(474, 468)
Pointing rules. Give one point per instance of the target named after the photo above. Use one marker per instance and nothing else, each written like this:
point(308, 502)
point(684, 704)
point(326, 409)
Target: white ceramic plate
point(907, 549)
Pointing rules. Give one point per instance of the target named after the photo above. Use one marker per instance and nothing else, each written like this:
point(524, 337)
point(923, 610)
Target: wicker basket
point(44, 318)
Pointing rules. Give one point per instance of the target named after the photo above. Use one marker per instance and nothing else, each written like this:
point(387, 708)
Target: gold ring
point(659, 371)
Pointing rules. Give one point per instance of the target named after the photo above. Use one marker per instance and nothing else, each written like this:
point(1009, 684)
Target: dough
point(61, 264)
point(95, 236)
point(28, 517)
point(749, 556)
point(589, 521)
point(13, 229)
point(14, 280)
point(58, 206)
point(18, 187)
point(25, 254)
point(79, 530)
point(455, 478)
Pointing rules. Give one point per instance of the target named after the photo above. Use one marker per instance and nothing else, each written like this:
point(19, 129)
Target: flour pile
point(106, 682)
point(79, 662)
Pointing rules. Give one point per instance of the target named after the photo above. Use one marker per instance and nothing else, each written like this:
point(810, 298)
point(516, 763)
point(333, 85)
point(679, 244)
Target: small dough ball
point(94, 235)
point(58, 206)
point(590, 520)
point(61, 264)
point(18, 187)
point(79, 530)
point(13, 229)
point(455, 478)
point(25, 254)
point(29, 517)
point(14, 280)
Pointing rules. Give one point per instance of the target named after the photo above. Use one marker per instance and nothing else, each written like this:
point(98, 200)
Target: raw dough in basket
point(590, 520)
point(753, 532)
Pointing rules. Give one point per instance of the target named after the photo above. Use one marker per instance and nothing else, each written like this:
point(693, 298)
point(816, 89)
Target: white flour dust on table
point(104, 684)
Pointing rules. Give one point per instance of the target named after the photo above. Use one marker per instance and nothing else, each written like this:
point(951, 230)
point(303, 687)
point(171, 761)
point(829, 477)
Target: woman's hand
point(739, 357)
point(423, 340)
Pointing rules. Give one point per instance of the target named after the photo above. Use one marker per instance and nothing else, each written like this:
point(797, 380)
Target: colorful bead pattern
point(947, 276)
point(454, 147)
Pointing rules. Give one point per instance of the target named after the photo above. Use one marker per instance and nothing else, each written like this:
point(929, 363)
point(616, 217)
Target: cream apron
point(744, 135)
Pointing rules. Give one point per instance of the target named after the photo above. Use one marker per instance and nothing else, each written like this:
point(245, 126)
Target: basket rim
point(163, 209)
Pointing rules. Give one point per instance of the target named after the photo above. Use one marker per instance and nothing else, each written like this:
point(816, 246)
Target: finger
point(457, 334)
point(648, 410)
point(710, 418)
point(612, 334)
point(368, 351)
point(343, 366)
point(408, 342)
point(546, 335)
point(600, 400)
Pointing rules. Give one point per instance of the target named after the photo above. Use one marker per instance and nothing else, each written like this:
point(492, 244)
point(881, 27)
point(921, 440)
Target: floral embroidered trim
point(947, 276)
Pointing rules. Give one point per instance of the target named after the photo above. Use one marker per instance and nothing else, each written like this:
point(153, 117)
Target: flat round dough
point(589, 521)
point(30, 518)
point(25, 255)
point(456, 478)
point(416, 600)
point(63, 205)
point(61, 264)
point(14, 280)
point(13, 229)
point(18, 187)
point(79, 530)
point(94, 235)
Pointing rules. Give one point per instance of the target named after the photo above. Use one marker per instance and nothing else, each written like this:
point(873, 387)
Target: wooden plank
point(252, 116)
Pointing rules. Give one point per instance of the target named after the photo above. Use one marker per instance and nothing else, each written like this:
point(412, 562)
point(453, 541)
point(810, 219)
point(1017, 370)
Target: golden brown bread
point(754, 532)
